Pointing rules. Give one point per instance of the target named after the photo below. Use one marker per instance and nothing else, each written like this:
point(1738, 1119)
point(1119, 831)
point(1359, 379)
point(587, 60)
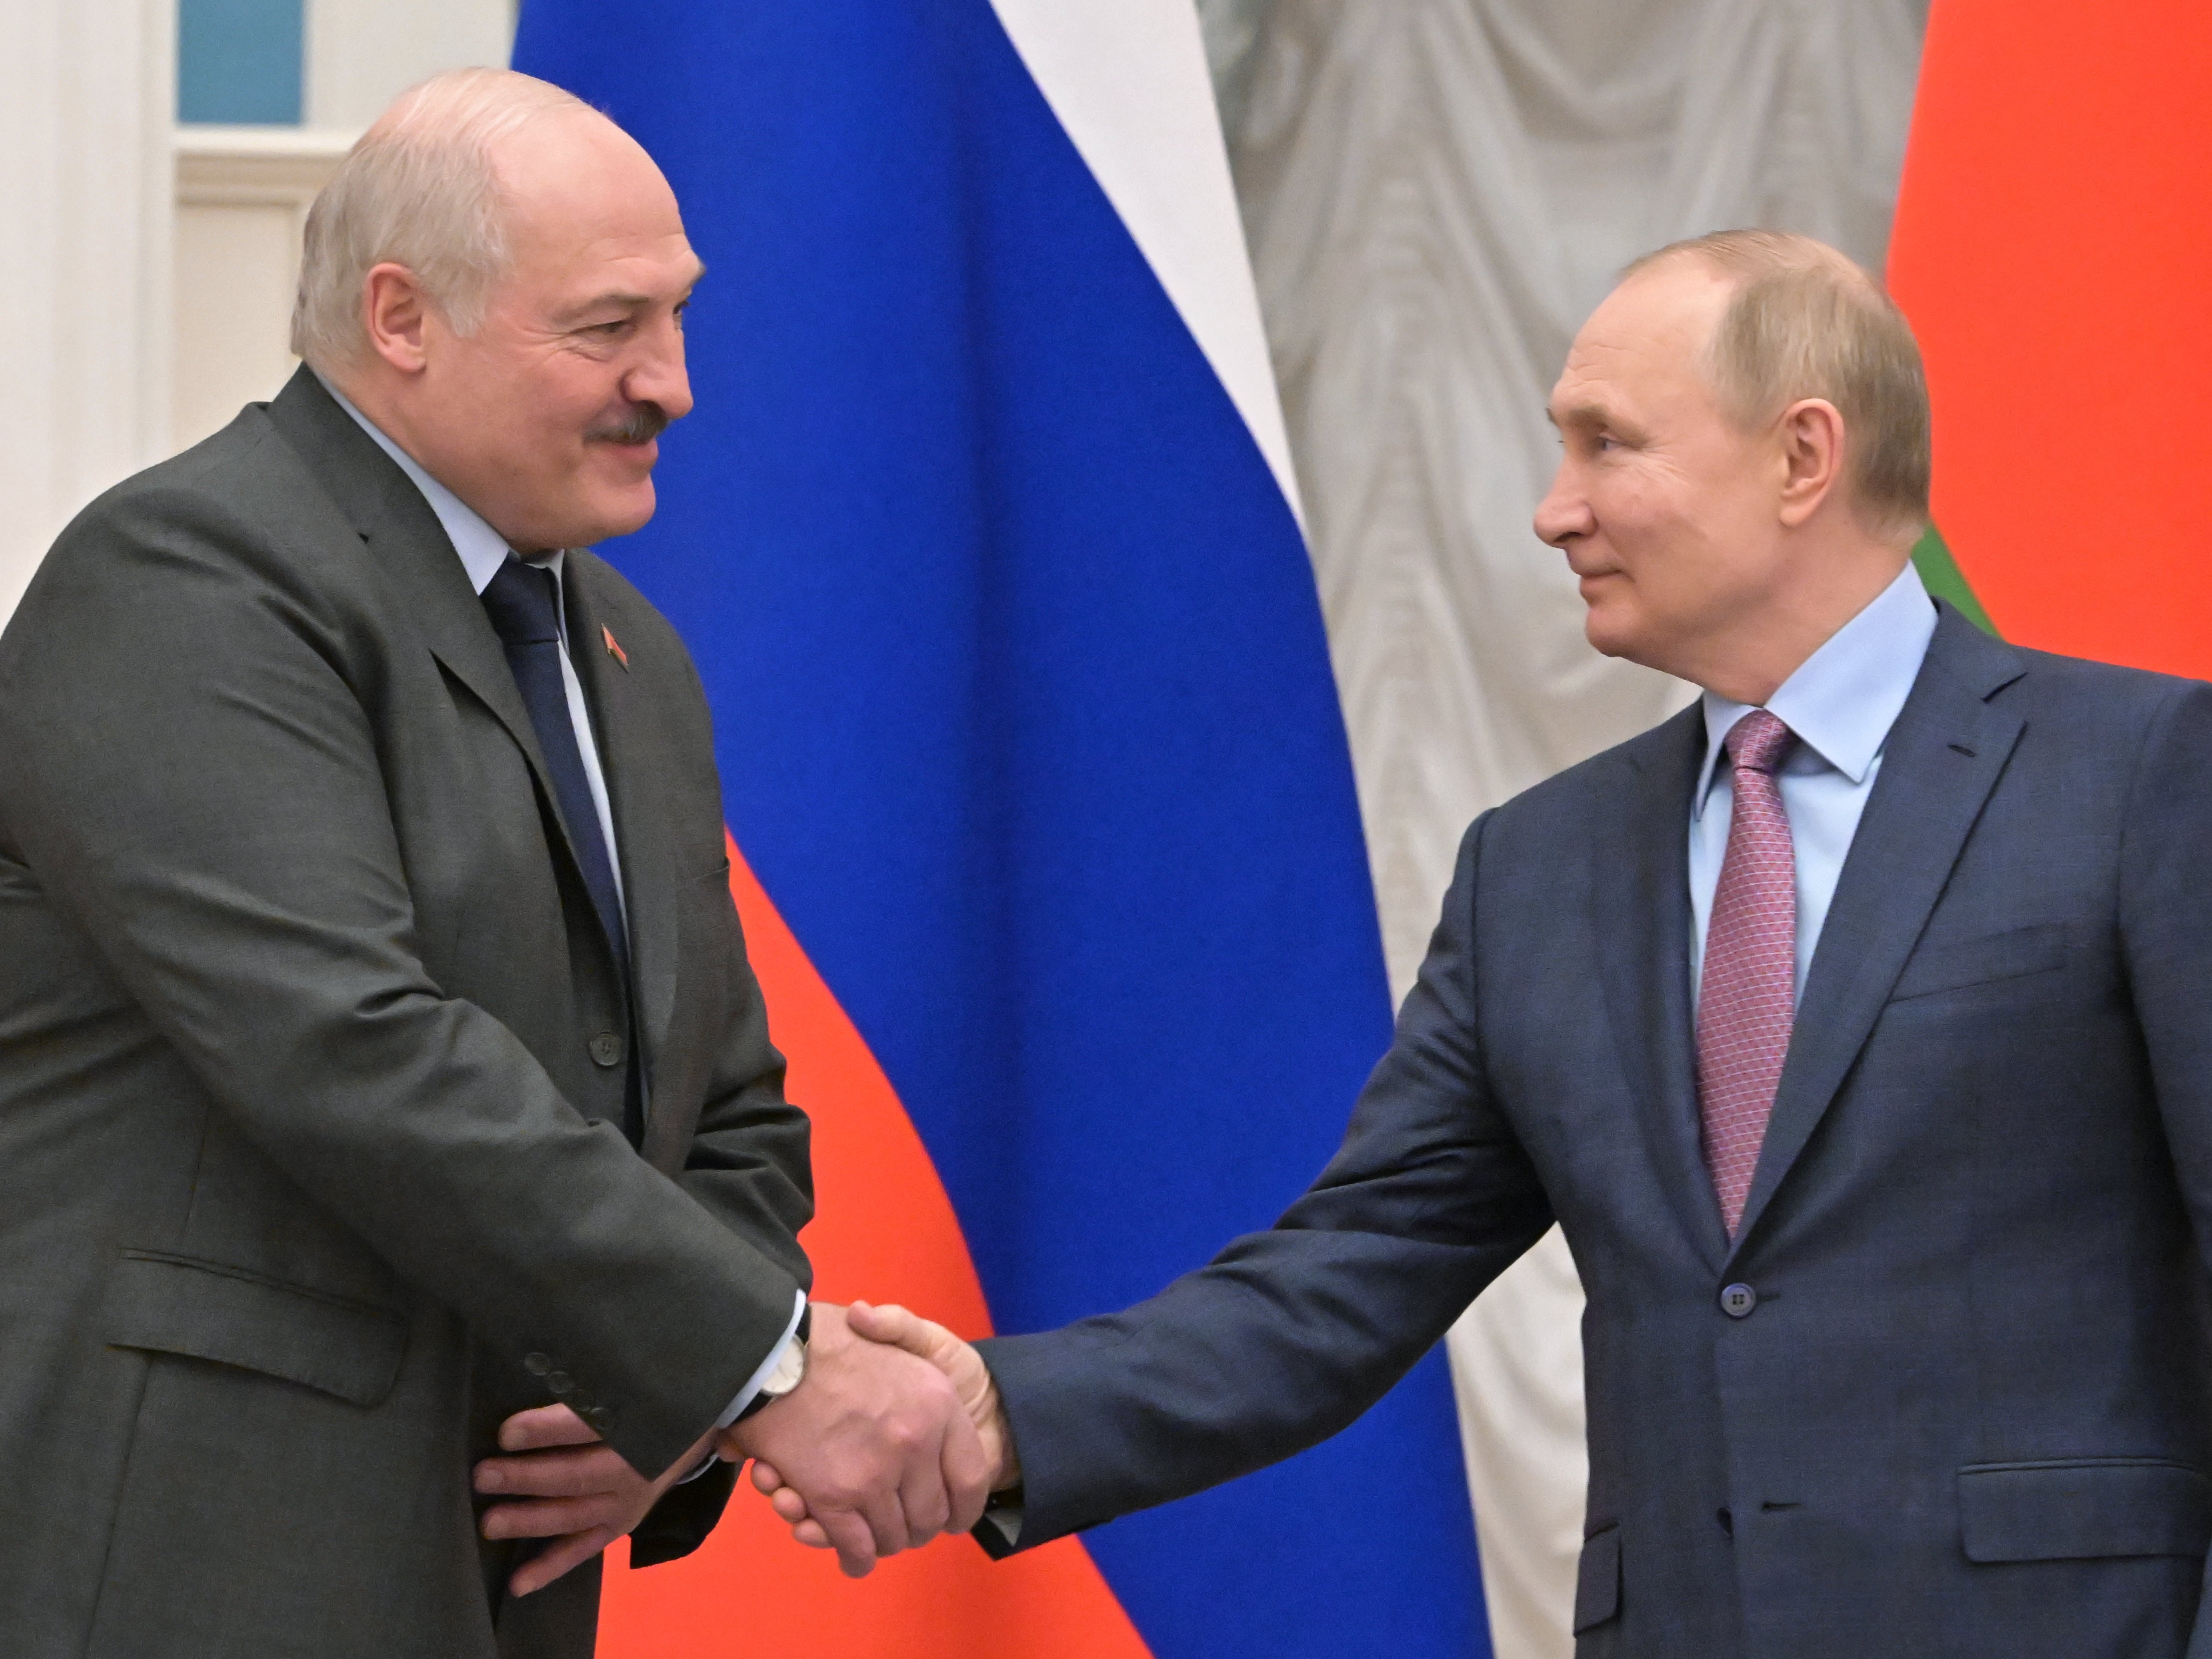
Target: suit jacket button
point(597, 1416)
point(560, 1382)
point(537, 1363)
point(1738, 1300)
point(606, 1049)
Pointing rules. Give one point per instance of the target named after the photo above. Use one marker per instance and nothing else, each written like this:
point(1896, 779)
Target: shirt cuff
point(752, 1384)
point(1004, 1517)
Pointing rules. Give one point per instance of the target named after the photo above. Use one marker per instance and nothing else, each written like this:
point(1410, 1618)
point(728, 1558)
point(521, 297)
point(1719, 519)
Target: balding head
point(496, 277)
point(1744, 457)
point(1803, 320)
point(421, 189)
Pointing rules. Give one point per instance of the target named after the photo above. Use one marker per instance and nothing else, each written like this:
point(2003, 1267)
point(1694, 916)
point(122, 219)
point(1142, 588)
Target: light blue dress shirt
point(1841, 703)
point(482, 550)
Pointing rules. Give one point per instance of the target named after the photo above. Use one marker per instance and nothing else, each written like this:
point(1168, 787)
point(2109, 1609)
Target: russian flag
point(1047, 845)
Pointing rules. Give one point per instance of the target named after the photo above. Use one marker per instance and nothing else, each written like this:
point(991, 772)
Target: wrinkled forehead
point(1646, 340)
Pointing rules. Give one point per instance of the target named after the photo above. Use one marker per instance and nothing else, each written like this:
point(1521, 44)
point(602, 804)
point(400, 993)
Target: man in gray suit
point(1854, 1026)
point(380, 1061)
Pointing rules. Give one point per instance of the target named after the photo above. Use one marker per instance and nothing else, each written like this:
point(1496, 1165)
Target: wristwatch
point(789, 1370)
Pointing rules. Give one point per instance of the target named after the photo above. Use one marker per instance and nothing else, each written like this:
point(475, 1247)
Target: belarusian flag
point(2053, 249)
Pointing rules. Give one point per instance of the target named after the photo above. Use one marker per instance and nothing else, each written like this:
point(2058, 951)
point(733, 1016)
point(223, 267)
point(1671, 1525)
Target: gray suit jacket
point(310, 1168)
point(1971, 1412)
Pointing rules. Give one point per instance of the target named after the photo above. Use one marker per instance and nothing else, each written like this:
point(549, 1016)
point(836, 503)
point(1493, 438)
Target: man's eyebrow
point(624, 300)
point(1596, 418)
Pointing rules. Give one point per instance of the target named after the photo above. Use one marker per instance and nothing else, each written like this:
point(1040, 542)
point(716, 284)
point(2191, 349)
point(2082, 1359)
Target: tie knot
point(1757, 742)
point(524, 602)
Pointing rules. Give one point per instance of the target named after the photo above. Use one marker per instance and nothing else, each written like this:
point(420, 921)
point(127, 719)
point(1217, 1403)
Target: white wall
point(242, 196)
point(151, 267)
point(86, 92)
point(242, 192)
point(361, 52)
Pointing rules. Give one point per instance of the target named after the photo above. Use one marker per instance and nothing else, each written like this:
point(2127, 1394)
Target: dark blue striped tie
point(523, 603)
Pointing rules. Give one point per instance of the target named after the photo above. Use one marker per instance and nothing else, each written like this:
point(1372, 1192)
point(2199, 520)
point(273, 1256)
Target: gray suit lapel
point(1640, 897)
point(627, 754)
point(1943, 757)
point(407, 541)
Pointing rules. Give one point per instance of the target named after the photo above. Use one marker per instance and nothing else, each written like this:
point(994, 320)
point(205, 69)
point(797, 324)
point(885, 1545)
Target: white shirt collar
point(482, 550)
point(1844, 698)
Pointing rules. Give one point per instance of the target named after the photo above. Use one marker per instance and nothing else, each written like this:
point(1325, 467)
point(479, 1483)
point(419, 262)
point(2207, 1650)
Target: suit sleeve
point(2165, 930)
point(748, 1162)
point(1288, 1335)
point(749, 1166)
point(187, 767)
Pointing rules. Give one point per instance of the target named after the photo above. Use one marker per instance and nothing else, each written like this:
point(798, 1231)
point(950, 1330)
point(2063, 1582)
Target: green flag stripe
point(1940, 573)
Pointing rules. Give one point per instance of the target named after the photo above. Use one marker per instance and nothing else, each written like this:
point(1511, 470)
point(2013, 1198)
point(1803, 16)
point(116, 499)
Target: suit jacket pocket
point(1597, 1583)
point(206, 1310)
point(2077, 1508)
point(2009, 955)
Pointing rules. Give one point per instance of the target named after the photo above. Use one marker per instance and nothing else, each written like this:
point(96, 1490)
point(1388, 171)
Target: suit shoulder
point(1672, 741)
point(240, 494)
point(2049, 676)
point(635, 619)
point(234, 519)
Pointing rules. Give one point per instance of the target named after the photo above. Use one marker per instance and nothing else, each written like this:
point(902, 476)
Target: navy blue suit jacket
point(1969, 1413)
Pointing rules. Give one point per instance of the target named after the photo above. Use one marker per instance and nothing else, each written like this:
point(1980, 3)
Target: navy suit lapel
point(627, 751)
point(1640, 894)
point(1942, 758)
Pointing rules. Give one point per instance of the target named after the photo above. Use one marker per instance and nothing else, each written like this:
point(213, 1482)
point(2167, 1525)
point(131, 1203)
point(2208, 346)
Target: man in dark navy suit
point(1852, 1024)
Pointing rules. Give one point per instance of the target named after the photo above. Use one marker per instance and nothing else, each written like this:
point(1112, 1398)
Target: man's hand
point(962, 1366)
point(875, 1442)
point(569, 1487)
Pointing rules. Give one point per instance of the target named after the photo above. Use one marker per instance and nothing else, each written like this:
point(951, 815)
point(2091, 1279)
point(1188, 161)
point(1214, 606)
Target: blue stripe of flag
point(1026, 720)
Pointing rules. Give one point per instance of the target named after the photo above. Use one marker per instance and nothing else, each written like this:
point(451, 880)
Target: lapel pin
point(614, 646)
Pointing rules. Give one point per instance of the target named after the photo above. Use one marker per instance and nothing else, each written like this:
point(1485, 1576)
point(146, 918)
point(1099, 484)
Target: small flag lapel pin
point(614, 646)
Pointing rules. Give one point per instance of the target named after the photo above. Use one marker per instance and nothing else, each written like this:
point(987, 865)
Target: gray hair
point(419, 189)
point(1807, 322)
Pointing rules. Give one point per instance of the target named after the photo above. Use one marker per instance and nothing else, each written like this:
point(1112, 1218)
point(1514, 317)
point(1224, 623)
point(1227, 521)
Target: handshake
point(894, 1435)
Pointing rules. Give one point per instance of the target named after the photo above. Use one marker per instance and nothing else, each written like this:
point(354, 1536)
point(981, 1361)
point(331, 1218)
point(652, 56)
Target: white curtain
point(1436, 192)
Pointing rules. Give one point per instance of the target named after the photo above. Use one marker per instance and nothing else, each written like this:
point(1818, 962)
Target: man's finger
point(897, 1328)
point(850, 1536)
point(885, 1515)
point(543, 1427)
point(550, 1517)
point(968, 1474)
point(766, 1479)
point(810, 1533)
point(569, 1472)
point(563, 1555)
point(790, 1508)
point(923, 1501)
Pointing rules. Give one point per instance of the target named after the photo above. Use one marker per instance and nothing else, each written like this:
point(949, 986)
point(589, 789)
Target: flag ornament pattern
point(1030, 747)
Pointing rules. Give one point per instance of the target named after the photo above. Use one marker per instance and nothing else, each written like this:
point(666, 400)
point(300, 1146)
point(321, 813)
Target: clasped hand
point(814, 1514)
point(875, 1437)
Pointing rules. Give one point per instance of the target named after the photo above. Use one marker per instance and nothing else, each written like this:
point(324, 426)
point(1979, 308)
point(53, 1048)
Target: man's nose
point(1565, 511)
point(660, 376)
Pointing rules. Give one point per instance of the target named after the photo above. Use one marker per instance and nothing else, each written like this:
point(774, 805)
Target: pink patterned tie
point(1747, 993)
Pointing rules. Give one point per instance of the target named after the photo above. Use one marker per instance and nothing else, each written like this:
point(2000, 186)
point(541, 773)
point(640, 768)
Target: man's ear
point(1812, 435)
point(394, 308)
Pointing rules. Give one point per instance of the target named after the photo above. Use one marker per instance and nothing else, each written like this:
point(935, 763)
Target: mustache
point(641, 424)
